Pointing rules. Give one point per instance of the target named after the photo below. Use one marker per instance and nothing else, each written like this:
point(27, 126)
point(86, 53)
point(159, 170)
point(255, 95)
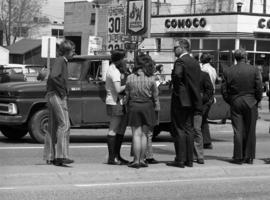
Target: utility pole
point(9, 22)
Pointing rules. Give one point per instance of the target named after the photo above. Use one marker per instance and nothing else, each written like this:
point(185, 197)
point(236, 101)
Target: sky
point(54, 9)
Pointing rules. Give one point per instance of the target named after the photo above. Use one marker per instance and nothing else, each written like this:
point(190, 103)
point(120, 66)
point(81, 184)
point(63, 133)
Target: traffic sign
point(48, 47)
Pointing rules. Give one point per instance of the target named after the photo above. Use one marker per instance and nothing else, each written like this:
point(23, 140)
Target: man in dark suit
point(242, 90)
point(186, 100)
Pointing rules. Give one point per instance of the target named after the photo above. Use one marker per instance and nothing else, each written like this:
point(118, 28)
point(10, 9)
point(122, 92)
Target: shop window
point(158, 44)
point(227, 44)
point(210, 44)
point(58, 33)
point(263, 45)
point(195, 44)
point(247, 44)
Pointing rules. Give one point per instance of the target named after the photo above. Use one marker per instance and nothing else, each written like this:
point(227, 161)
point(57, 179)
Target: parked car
point(23, 107)
point(30, 71)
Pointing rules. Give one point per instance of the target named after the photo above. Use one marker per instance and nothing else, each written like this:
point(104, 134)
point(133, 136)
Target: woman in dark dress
point(142, 101)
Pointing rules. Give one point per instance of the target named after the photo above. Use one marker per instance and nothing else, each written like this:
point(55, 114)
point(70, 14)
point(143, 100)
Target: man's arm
point(208, 91)
point(55, 74)
point(224, 88)
point(258, 86)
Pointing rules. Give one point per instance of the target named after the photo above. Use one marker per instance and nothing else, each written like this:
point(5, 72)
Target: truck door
point(75, 90)
point(93, 96)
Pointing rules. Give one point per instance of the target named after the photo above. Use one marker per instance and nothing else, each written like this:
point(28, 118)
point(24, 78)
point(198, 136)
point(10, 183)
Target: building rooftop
point(23, 46)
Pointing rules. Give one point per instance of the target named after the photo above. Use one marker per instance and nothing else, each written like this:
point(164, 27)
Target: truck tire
point(156, 131)
point(38, 124)
point(13, 133)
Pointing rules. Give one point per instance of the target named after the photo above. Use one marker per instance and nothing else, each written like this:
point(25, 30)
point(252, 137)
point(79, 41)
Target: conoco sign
point(137, 17)
point(185, 23)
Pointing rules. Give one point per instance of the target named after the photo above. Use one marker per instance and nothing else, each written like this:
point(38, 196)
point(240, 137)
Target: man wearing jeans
point(58, 124)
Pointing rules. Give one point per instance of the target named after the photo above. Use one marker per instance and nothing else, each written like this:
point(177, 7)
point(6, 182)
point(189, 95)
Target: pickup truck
point(23, 106)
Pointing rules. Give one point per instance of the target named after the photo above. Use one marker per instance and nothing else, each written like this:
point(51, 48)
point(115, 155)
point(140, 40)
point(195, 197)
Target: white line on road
point(173, 181)
point(73, 147)
point(115, 184)
point(7, 188)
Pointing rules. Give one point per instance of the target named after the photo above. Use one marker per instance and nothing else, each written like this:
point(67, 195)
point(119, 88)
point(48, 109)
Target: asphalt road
point(23, 174)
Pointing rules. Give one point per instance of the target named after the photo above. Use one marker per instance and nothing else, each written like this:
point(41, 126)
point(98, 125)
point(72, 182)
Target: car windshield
point(74, 70)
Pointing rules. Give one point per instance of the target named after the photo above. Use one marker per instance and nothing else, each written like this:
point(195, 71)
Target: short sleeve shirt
point(112, 75)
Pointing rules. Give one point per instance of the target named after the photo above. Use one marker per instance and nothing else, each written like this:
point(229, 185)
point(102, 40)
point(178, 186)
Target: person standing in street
point(207, 94)
point(115, 106)
point(57, 94)
point(186, 100)
point(142, 102)
point(206, 67)
point(242, 90)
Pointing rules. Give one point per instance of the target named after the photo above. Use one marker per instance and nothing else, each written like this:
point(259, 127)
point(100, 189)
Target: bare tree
point(16, 14)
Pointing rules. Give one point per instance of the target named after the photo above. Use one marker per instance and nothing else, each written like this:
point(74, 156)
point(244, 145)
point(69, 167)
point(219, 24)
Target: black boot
point(118, 143)
point(111, 149)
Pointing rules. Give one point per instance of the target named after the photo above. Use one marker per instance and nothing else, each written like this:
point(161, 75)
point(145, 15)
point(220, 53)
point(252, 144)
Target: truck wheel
point(38, 125)
point(13, 133)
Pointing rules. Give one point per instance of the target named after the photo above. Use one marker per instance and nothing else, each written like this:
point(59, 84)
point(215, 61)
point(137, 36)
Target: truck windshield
point(74, 70)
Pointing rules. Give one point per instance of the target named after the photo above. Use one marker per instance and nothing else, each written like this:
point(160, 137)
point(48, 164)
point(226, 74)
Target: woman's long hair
point(145, 62)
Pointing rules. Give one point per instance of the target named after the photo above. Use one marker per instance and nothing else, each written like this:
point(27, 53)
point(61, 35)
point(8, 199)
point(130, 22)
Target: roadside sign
point(94, 44)
point(137, 17)
point(116, 27)
point(48, 47)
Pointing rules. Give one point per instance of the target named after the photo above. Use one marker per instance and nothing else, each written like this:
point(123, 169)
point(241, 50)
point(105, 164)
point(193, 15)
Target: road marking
point(7, 188)
point(74, 147)
point(172, 181)
point(115, 184)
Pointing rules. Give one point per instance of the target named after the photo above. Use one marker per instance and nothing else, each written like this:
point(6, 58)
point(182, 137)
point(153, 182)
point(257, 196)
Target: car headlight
point(12, 109)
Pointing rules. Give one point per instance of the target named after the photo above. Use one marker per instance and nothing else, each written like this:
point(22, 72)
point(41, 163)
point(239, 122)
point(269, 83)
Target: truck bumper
point(11, 120)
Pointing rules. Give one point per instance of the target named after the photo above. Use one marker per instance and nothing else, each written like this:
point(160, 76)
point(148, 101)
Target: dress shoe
point(249, 161)
point(62, 161)
point(112, 162)
point(121, 161)
point(189, 164)
point(49, 162)
point(200, 161)
point(176, 164)
point(208, 146)
point(134, 165)
point(143, 164)
point(151, 161)
point(237, 161)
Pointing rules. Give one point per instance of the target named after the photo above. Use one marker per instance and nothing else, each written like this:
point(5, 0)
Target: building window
point(158, 44)
point(20, 31)
point(93, 19)
point(58, 33)
point(263, 45)
point(247, 45)
point(195, 44)
point(227, 44)
point(210, 44)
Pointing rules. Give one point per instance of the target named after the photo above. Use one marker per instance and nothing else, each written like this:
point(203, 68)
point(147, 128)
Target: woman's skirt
point(141, 113)
point(115, 110)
